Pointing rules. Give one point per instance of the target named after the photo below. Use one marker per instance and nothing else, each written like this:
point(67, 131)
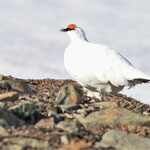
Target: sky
point(32, 46)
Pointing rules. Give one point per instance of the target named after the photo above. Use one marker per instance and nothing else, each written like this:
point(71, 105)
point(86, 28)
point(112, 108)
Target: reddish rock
point(45, 123)
point(69, 95)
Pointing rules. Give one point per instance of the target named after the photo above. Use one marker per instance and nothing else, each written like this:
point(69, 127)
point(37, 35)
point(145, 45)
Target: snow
point(31, 45)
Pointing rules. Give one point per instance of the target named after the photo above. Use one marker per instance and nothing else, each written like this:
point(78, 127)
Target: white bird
point(98, 68)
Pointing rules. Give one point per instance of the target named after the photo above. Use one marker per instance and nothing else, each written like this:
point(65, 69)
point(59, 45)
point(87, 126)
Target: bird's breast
point(78, 62)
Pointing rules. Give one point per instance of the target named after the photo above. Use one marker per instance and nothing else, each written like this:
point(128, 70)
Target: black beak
point(66, 29)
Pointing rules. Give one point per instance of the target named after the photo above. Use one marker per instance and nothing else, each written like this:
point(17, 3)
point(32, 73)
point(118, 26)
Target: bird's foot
point(93, 94)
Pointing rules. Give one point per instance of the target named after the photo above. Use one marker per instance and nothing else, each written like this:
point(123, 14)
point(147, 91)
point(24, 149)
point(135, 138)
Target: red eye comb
point(71, 26)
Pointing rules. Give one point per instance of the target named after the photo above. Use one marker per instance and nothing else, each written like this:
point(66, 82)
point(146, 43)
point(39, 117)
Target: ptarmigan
point(98, 68)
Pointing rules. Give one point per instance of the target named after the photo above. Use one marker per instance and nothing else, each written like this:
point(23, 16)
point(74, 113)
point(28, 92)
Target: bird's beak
point(64, 30)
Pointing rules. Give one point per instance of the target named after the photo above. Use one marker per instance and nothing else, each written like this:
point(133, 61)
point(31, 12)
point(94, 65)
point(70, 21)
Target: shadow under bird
point(98, 68)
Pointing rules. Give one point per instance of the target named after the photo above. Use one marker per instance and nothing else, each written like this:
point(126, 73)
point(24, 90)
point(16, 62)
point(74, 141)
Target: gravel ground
point(42, 127)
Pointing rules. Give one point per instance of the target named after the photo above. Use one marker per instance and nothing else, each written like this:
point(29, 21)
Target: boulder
point(15, 85)
point(119, 140)
point(113, 117)
point(9, 96)
point(7, 118)
point(69, 94)
point(24, 109)
point(69, 126)
point(27, 142)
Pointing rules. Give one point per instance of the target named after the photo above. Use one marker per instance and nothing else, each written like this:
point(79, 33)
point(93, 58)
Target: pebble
point(69, 116)
point(64, 140)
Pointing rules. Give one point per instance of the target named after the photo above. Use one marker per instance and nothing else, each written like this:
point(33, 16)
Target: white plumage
point(98, 68)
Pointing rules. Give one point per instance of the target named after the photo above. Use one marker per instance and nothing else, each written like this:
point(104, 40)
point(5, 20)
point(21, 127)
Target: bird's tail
point(142, 80)
point(137, 77)
point(133, 82)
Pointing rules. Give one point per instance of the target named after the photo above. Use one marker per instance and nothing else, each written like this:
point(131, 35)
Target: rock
point(45, 123)
point(24, 110)
point(69, 126)
point(3, 123)
point(69, 95)
point(1, 77)
point(3, 132)
point(14, 147)
point(2, 106)
point(119, 140)
point(27, 142)
point(104, 105)
point(55, 116)
point(146, 113)
point(16, 85)
point(64, 140)
point(32, 97)
point(10, 119)
point(81, 144)
point(113, 117)
point(9, 96)
point(69, 107)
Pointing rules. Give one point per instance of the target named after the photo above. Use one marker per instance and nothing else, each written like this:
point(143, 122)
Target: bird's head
point(74, 32)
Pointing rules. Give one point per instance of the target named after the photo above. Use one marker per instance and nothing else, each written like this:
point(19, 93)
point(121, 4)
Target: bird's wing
point(113, 67)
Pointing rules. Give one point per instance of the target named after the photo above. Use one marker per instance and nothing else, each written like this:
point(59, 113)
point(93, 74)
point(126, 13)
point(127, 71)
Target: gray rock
point(27, 142)
point(3, 122)
point(23, 110)
point(10, 119)
point(69, 95)
point(120, 140)
point(2, 106)
point(64, 140)
point(105, 105)
point(113, 117)
point(54, 115)
point(69, 126)
point(15, 85)
point(9, 96)
point(15, 147)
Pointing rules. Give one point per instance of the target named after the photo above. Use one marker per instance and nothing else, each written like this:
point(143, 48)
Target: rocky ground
point(56, 114)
